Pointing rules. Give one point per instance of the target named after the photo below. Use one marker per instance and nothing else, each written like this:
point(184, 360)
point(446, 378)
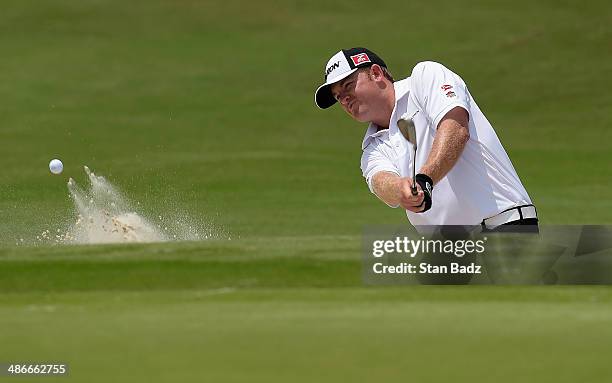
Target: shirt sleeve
point(374, 160)
point(438, 90)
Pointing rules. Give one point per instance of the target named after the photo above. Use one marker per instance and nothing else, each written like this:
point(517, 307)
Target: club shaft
point(414, 188)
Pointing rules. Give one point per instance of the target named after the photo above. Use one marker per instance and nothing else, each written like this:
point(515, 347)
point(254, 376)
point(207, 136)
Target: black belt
point(517, 213)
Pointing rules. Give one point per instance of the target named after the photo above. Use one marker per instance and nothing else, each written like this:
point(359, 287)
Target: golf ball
point(56, 166)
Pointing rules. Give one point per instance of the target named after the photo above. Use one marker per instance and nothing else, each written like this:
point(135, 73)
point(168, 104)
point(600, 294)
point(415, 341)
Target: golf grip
point(413, 189)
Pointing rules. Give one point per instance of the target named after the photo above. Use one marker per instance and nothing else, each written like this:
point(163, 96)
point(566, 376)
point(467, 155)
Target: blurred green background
point(210, 104)
point(207, 108)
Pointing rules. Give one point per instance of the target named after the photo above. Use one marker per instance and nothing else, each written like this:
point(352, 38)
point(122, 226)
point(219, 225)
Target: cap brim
point(323, 96)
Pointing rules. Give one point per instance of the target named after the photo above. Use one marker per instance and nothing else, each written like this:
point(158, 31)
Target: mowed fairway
point(285, 310)
point(206, 109)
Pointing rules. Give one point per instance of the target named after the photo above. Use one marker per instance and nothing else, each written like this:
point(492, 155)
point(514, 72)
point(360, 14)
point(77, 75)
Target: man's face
point(358, 94)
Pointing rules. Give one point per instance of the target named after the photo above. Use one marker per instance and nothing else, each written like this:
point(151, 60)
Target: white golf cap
point(340, 66)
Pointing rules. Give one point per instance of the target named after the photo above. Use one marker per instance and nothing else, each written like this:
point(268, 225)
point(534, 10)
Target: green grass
point(261, 263)
point(207, 108)
point(326, 334)
point(284, 309)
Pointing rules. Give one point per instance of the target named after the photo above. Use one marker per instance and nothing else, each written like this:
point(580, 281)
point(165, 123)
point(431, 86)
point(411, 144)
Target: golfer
point(463, 174)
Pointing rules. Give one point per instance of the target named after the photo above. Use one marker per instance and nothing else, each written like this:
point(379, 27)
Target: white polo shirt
point(482, 183)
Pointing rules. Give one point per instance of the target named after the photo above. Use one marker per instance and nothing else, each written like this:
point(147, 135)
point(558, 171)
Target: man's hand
point(413, 203)
point(451, 137)
point(396, 191)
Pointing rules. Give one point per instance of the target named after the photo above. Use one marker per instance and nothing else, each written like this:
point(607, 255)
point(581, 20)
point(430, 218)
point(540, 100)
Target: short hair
point(387, 74)
point(385, 71)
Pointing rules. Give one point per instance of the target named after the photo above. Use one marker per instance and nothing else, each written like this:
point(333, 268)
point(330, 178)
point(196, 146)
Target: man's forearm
point(386, 186)
point(451, 137)
point(396, 191)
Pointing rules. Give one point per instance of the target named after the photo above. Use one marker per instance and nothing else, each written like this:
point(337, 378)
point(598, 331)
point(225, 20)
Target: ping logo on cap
point(360, 58)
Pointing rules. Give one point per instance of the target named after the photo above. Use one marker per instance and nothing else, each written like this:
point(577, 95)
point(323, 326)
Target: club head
point(406, 127)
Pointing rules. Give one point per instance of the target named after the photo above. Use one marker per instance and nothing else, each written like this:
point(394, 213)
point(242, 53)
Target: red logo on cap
point(360, 58)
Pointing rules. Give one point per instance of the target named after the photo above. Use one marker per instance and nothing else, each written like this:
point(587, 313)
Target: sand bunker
point(105, 215)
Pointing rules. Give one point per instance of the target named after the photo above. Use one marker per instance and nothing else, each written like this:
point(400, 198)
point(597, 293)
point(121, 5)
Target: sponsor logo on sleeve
point(446, 87)
point(360, 58)
point(451, 94)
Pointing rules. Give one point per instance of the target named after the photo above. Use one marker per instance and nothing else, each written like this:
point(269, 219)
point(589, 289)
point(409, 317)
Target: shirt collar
point(402, 88)
point(371, 133)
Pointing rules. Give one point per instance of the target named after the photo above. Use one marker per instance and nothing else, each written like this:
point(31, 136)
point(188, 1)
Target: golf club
point(406, 127)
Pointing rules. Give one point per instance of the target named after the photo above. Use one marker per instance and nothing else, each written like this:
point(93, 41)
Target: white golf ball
point(56, 166)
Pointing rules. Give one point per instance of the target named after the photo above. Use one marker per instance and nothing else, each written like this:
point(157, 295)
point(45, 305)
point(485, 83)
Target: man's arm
point(451, 137)
point(395, 191)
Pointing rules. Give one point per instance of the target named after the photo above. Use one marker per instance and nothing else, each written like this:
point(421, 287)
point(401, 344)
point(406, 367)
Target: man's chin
point(360, 117)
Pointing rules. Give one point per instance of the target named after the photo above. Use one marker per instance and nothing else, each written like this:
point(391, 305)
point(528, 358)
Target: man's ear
point(376, 72)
